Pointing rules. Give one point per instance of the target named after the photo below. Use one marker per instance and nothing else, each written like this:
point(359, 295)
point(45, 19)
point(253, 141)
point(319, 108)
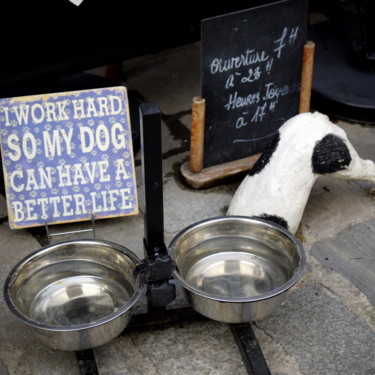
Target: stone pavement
point(326, 326)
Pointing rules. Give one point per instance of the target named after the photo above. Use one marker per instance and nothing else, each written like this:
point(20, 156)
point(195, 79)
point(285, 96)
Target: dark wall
point(45, 38)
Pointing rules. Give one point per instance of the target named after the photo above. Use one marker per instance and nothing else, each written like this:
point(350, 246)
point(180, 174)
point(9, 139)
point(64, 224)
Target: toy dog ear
point(330, 155)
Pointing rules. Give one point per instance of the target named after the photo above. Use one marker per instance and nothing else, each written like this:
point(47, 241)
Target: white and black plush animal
point(306, 146)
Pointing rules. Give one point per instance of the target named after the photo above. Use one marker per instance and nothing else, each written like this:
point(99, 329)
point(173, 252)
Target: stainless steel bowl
point(75, 295)
point(236, 269)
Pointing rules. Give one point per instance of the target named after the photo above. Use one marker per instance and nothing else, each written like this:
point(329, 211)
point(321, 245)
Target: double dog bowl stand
point(102, 261)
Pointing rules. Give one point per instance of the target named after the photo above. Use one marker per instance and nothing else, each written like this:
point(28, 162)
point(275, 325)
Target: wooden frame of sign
point(192, 171)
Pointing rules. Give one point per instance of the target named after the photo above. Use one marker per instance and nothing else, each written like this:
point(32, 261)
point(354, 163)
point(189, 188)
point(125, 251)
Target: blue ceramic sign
point(67, 156)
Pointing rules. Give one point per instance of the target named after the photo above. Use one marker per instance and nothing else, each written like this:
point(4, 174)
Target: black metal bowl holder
point(157, 265)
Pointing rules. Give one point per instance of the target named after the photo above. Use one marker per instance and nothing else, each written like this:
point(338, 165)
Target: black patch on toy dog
point(330, 155)
point(266, 155)
point(275, 219)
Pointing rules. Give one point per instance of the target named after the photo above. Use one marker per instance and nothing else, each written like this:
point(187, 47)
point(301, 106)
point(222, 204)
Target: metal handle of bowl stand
point(158, 263)
point(79, 231)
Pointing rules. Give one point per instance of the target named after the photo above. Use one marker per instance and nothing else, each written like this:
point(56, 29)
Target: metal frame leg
point(250, 350)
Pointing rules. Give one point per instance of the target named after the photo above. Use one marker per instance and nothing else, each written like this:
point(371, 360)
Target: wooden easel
point(192, 171)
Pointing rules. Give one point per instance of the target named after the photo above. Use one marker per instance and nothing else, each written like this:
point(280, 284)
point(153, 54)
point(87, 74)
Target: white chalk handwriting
point(251, 90)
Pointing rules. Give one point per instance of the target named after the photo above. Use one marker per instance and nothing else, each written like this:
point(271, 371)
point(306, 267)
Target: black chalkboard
point(251, 74)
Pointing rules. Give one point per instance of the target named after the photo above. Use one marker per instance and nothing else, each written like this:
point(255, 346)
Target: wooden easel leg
point(307, 77)
point(197, 135)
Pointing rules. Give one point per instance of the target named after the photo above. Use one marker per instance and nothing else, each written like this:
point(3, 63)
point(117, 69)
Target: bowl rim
point(139, 287)
point(273, 293)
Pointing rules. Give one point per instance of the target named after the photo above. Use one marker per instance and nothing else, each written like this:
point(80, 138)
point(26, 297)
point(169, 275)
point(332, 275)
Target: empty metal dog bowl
point(75, 295)
point(236, 269)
